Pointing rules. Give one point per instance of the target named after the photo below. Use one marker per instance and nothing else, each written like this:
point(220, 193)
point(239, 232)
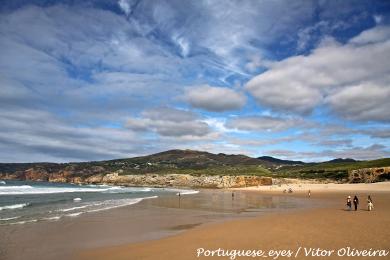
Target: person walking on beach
point(309, 193)
point(355, 202)
point(370, 205)
point(349, 203)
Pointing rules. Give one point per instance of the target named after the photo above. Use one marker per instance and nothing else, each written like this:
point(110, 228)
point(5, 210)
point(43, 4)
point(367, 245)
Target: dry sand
point(329, 227)
point(325, 187)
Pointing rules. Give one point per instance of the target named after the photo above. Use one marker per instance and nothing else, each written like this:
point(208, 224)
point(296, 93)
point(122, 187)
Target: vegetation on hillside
point(198, 163)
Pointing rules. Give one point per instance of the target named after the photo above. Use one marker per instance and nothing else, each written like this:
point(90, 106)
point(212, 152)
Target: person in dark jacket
point(355, 202)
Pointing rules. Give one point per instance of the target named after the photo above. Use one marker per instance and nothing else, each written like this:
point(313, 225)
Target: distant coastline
point(195, 169)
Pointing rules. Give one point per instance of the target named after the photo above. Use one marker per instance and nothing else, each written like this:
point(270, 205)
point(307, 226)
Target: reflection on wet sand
point(229, 202)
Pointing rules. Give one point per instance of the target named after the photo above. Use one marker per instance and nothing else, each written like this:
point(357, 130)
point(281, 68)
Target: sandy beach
point(315, 231)
point(255, 218)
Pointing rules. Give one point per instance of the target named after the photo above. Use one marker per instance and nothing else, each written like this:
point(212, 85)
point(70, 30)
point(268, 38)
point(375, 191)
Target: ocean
point(27, 202)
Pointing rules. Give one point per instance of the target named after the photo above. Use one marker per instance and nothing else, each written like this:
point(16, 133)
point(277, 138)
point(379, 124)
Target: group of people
point(355, 201)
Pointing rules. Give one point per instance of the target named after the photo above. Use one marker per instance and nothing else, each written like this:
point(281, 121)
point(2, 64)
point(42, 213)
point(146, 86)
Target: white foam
point(52, 218)
point(2, 182)
point(26, 189)
point(6, 219)
point(112, 204)
point(14, 206)
point(77, 199)
point(188, 192)
point(183, 192)
point(118, 189)
point(74, 214)
point(109, 204)
point(74, 208)
point(24, 222)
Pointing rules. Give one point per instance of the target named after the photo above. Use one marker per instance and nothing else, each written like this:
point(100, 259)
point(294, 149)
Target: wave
point(3, 182)
point(74, 214)
point(11, 218)
point(23, 222)
point(183, 192)
point(74, 208)
point(110, 204)
point(118, 189)
point(189, 192)
point(27, 189)
point(52, 218)
point(14, 206)
point(89, 208)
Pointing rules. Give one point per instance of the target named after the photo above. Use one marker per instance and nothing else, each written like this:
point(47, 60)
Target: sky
point(105, 79)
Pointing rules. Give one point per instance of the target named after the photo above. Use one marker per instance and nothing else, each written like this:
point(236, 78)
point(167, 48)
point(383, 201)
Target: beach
point(327, 227)
point(179, 227)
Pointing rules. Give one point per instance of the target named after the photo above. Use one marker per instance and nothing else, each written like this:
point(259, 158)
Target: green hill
point(198, 162)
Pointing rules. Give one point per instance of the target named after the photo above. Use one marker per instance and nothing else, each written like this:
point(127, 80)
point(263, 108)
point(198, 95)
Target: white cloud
point(379, 34)
point(263, 123)
point(125, 6)
point(301, 83)
point(169, 122)
point(364, 102)
point(33, 135)
point(215, 99)
point(371, 152)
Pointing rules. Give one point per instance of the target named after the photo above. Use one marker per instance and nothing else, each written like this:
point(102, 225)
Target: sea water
point(27, 202)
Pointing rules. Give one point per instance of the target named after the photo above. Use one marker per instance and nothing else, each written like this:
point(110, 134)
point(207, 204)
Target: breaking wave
point(14, 206)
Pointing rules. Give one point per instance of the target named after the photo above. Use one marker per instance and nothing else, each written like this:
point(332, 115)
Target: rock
point(97, 175)
point(186, 180)
point(368, 175)
point(36, 175)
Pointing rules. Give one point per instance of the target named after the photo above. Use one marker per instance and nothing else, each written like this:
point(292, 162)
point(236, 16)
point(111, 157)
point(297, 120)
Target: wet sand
point(329, 226)
point(151, 219)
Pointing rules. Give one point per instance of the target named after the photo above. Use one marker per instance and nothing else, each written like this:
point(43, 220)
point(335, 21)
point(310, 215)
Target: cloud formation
point(169, 122)
point(94, 79)
point(374, 151)
point(352, 79)
point(216, 99)
point(264, 123)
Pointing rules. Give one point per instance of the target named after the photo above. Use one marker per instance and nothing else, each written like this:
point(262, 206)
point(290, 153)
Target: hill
point(342, 160)
point(277, 161)
point(198, 163)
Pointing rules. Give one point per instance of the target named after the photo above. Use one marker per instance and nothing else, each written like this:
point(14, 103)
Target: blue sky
point(94, 80)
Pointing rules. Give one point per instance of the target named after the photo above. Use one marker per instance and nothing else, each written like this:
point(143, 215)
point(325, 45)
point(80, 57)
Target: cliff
point(368, 175)
point(98, 176)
